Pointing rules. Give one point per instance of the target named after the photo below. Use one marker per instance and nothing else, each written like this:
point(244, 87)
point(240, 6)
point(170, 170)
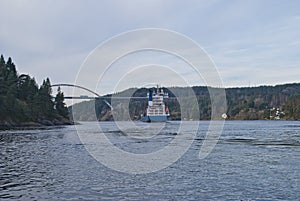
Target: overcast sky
point(251, 42)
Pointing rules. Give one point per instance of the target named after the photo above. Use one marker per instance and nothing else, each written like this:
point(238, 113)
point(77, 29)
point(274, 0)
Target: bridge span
point(82, 97)
point(104, 98)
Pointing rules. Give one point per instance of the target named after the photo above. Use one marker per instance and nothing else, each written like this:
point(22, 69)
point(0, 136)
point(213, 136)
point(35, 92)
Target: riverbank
point(9, 124)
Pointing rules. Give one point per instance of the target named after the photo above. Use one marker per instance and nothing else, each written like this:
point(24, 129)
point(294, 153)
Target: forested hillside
point(23, 102)
point(264, 101)
point(247, 103)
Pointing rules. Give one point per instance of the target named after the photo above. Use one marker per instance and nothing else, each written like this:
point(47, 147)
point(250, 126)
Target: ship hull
point(156, 118)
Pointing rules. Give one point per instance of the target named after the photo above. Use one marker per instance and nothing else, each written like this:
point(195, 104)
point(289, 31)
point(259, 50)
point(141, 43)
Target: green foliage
point(292, 107)
point(21, 99)
point(247, 103)
point(258, 102)
point(60, 106)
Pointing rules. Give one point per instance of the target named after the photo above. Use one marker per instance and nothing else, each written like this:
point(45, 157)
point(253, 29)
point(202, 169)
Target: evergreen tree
point(44, 100)
point(3, 73)
point(2, 87)
point(22, 100)
point(60, 106)
point(11, 66)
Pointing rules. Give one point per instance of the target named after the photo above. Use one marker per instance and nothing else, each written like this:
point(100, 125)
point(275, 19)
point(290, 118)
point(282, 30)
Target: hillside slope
point(246, 103)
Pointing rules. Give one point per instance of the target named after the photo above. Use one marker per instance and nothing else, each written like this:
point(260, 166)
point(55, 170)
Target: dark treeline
point(246, 103)
point(23, 102)
point(264, 102)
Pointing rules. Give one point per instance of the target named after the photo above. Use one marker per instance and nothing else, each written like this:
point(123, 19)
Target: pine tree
point(22, 100)
point(3, 73)
point(2, 87)
point(60, 106)
point(44, 100)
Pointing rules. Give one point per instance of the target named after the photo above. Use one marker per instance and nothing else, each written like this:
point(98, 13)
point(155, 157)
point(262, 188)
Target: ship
point(156, 110)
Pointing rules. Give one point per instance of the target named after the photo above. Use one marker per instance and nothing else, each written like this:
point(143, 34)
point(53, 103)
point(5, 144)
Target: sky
point(251, 43)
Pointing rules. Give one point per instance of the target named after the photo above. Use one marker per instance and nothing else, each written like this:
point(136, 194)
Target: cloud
point(247, 40)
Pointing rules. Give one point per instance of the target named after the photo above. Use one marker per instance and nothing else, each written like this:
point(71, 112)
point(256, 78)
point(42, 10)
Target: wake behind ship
point(156, 111)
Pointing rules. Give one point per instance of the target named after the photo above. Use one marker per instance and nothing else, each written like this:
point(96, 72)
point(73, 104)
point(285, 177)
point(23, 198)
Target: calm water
point(253, 160)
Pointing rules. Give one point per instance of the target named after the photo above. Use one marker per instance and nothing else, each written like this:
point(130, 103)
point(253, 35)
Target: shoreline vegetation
point(25, 104)
point(280, 102)
point(7, 124)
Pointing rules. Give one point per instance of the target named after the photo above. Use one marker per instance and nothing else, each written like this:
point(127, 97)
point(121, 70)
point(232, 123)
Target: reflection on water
point(254, 160)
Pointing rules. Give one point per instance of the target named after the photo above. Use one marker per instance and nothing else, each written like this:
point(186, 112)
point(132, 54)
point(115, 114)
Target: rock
point(30, 124)
point(45, 122)
point(8, 124)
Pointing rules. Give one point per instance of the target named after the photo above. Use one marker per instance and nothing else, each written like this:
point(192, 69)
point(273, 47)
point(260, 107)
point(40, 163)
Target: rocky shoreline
point(9, 124)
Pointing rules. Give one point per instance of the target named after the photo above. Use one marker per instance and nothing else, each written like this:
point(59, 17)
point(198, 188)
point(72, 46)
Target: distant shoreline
point(250, 103)
point(36, 125)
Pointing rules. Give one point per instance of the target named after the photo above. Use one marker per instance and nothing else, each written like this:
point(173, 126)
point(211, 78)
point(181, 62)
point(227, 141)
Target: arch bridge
point(81, 97)
point(89, 97)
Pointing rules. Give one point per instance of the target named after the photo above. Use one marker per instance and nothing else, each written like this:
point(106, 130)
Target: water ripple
point(252, 161)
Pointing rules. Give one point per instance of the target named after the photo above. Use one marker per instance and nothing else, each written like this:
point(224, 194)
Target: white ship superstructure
point(156, 111)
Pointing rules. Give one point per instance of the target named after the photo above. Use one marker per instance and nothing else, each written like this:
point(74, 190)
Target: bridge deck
point(88, 97)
